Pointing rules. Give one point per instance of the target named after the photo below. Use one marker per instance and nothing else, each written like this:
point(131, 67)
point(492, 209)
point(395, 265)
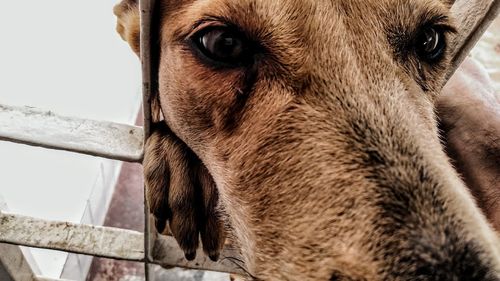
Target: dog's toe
point(184, 229)
point(211, 223)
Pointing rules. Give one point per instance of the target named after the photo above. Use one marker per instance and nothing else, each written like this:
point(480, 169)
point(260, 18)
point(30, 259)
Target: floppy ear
point(128, 23)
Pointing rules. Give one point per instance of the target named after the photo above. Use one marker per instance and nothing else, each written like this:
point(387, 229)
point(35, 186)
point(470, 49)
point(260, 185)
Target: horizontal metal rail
point(106, 242)
point(28, 125)
point(76, 238)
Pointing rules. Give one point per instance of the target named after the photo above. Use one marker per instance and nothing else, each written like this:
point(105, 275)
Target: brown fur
point(324, 152)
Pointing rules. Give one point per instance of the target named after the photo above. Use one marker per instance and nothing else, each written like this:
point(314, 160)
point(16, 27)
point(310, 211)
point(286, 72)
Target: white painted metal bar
point(70, 237)
point(37, 127)
point(106, 242)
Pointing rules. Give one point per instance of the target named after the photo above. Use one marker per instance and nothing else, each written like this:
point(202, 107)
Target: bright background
point(64, 56)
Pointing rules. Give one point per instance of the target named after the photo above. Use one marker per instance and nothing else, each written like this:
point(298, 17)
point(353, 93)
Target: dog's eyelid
point(442, 22)
point(186, 32)
point(212, 21)
point(443, 27)
point(205, 23)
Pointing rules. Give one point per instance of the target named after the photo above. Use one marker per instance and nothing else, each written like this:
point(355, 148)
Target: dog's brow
point(251, 17)
point(183, 32)
point(220, 20)
point(442, 20)
point(434, 16)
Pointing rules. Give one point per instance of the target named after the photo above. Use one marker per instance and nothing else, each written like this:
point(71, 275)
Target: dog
point(304, 131)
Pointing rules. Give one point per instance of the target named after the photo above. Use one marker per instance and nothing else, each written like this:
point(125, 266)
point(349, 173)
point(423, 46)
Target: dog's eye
point(221, 45)
point(430, 44)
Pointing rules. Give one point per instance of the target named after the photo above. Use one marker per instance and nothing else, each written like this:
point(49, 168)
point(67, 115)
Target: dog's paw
point(182, 193)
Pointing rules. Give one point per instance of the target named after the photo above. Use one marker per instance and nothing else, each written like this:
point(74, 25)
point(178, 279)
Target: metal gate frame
point(124, 142)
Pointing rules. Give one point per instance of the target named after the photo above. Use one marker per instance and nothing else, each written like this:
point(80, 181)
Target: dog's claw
point(190, 256)
point(214, 256)
point(160, 224)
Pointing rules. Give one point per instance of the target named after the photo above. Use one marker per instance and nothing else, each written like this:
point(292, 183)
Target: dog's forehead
point(278, 9)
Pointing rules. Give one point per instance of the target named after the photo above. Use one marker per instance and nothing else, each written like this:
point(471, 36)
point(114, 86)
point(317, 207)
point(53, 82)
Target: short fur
point(324, 152)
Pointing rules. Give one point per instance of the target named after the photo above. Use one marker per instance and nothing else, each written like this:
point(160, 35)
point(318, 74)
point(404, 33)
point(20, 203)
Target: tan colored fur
point(329, 165)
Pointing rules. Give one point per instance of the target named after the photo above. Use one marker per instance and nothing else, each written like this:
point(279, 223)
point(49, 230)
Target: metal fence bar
point(146, 7)
point(106, 242)
point(146, 33)
point(473, 18)
point(37, 127)
point(71, 237)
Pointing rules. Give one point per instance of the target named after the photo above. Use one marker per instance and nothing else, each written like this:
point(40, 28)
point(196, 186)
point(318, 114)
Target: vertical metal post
point(146, 8)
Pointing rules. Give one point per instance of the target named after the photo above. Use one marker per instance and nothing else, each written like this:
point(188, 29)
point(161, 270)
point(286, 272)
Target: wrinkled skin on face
point(322, 149)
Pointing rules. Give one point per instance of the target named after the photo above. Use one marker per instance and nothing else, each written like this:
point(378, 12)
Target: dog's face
point(315, 119)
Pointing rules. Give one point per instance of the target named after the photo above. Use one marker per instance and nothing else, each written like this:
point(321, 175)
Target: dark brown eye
point(222, 46)
point(430, 44)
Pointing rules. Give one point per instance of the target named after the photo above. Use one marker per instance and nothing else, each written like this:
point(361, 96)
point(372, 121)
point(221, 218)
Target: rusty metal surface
point(37, 127)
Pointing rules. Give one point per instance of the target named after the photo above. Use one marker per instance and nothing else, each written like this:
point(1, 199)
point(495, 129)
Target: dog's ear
point(128, 25)
point(128, 22)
